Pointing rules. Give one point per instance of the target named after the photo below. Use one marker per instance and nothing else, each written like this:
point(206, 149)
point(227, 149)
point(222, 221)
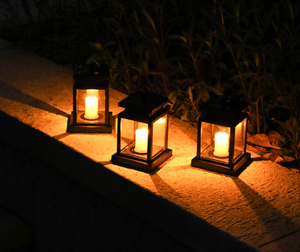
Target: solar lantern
point(222, 135)
point(142, 132)
point(90, 100)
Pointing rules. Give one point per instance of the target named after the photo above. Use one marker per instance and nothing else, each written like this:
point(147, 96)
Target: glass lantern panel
point(205, 138)
point(215, 140)
point(134, 138)
point(159, 135)
point(126, 134)
point(239, 140)
point(90, 106)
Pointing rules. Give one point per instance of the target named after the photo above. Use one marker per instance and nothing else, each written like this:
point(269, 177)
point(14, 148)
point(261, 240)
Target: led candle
point(91, 108)
point(221, 144)
point(141, 140)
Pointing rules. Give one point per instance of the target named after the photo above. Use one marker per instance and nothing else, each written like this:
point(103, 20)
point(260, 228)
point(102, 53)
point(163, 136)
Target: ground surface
point(260, 207)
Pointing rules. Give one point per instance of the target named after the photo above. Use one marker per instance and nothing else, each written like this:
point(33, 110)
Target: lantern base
point(242, 162)
point(139, 164)
point(89, 128)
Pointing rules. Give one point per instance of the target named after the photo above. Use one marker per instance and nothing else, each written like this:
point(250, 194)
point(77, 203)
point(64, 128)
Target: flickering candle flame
point(221, 144)
point(141, 141)
point(91, 108)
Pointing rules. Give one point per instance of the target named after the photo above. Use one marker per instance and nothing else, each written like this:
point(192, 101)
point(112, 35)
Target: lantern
point(90, 100)
point(142, 132)
point(222, 132)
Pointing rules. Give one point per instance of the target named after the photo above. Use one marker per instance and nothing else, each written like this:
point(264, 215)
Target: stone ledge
point(190, 230)
point(258, 207)
point(14, 232)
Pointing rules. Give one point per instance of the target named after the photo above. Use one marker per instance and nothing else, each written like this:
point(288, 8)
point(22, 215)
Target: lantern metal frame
point(228, 112)
point(145, 108)
point(90, 77)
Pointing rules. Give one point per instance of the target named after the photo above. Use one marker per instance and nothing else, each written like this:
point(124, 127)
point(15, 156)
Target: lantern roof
point(91, 69)
point(224, 106)
point(149, 102)
point(91, 76)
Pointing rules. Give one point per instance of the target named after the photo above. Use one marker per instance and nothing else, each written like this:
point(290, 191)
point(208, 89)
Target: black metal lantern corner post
point(90, 100)
point(222, 135)
point(142, 133)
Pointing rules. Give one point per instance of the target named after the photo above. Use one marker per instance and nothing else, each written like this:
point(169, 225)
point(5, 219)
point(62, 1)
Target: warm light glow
point(159, 127)
point(92, 92)
point(161, 120)
point(238, 131)
point(116, 126)
point(221, 144)
point(141, 140)
point(91, 108)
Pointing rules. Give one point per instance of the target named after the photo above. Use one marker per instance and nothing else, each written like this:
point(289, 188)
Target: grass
point(186, 50)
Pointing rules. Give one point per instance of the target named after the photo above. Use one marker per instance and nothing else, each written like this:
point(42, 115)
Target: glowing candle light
point(141, 140)
point(159, 127)
point(92, 92)
point(238, 131)
point(161, 121)
point(221, 144)
point(91, 108)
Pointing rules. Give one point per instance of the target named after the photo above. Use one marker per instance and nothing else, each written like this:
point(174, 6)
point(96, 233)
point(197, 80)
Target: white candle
point(91, 108)
point(221, 144)
point(141, 140)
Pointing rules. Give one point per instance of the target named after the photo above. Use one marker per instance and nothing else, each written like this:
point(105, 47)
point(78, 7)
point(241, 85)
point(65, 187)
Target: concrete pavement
point(260, 207)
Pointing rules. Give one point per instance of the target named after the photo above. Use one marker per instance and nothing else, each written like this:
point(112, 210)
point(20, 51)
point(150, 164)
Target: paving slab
point(260, 207)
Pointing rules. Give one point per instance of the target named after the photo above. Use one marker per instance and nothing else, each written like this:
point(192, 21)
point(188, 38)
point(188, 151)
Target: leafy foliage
point(187, 50)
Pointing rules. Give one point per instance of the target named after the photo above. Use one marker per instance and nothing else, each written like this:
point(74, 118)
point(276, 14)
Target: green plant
point(187, 50)
point(291, 143)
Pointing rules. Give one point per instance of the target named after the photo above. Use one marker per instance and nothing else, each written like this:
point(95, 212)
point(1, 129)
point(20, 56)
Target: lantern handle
point(97, 63)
